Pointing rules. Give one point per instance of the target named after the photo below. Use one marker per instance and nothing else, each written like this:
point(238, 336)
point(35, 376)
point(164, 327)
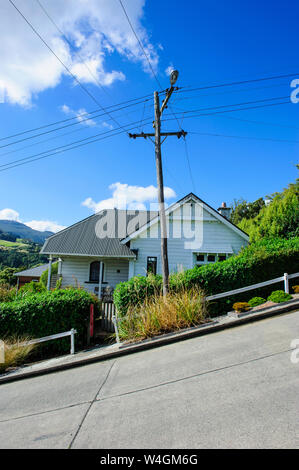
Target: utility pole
point(160, 185)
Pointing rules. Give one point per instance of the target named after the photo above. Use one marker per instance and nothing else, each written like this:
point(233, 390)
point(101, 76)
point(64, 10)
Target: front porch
point(96, 275)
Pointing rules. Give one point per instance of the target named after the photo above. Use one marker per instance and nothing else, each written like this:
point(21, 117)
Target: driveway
point(233, 389)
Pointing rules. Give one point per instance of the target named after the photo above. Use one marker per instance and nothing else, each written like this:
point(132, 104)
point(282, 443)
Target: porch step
point(54, 279)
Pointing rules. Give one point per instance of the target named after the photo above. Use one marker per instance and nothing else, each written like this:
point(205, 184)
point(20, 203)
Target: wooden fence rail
point(285, 278)
point(108, 307)
point(70, 333)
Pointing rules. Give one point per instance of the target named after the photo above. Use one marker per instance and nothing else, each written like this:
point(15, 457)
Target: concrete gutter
point(114, 351)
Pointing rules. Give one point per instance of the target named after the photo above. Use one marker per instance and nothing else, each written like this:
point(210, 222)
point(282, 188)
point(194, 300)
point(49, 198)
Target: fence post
point(73, 341)
point(91, 320)
point(2, 352)
point(286, 283)
point(114, 319)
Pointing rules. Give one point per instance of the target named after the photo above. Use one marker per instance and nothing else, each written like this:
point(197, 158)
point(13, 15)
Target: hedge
point(48, 313)
point(264, 260)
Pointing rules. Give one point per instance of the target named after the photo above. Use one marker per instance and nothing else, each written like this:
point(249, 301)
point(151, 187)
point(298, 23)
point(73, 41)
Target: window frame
point(206, 255)
point(147, 265)
point(97, 280)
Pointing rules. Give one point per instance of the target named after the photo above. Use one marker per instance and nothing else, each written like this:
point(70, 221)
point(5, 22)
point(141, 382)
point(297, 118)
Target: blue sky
point(208, 42)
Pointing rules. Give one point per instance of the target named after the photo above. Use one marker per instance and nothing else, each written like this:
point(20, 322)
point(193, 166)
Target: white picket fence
point(108, 312)
point(285, 278)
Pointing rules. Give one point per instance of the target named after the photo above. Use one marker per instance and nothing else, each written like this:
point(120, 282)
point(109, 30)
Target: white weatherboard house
point(114, 245)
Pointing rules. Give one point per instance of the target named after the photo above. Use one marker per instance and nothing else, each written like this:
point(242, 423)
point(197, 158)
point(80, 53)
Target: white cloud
point(42, 225)
point(81, 115)
point(9, 214)
point(169, 69)
point(125, 196)
point(108, 126)
point(95, 28)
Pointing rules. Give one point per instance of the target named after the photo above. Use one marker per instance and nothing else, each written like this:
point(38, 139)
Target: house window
point(94, 273)
point(204, 258)
point(151, 265)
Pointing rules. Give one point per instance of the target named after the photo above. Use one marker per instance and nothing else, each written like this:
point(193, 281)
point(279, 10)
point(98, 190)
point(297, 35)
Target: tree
point(246, 210)
point(279, 219)
point(7, 276)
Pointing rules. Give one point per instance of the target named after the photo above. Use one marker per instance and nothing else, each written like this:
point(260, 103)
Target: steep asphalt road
point(235, 388)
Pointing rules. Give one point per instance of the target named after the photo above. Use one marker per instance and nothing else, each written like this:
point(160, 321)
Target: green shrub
point(255, 301)
point(279, 296)
point(7, 293)
point(47, 313)
point(241, 307)
point(30, 288)
point(258, 262)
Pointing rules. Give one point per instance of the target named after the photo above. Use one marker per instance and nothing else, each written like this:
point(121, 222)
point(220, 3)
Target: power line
point(239, 90)
point(136, 124)
point(189, 165)
point(61, 149)
point(157, 80)
point(63, 64)
point(232, 110)
point(64, 150)
point(260, 122)
point(236, 104)
point(144, 52)
point(245, 137)
point(140, 43)
point(69, 125)
point(187, 90)
point(119, 109)
point(70, 44)
point(82, 128)
point(75, 117)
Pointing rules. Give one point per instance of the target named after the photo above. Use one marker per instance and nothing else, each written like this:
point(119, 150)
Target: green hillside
point(23, 231)
point(20, 254)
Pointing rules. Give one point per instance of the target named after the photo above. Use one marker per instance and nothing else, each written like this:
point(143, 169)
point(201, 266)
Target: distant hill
point(23, 231)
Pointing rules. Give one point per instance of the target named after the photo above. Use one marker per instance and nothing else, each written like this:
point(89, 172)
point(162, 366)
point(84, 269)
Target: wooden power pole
point(160, 186)
point(157, 135)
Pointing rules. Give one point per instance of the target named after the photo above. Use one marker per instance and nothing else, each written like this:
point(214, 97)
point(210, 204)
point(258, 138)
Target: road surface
point(233, 389)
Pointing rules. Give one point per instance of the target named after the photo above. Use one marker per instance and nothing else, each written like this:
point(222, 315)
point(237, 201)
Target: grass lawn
point(11, 244)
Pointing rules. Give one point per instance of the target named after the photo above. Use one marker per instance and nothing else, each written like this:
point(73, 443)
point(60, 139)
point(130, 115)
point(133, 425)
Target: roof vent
point(225, 211)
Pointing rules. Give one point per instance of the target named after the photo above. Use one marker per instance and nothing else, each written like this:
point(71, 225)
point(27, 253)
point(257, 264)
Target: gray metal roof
point(99, 235)
point(33, 272)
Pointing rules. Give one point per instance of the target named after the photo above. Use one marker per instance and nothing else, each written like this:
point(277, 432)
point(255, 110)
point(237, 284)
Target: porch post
point(100, 280)
point(131, 268)
point(49, 273)
point(59, 267)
